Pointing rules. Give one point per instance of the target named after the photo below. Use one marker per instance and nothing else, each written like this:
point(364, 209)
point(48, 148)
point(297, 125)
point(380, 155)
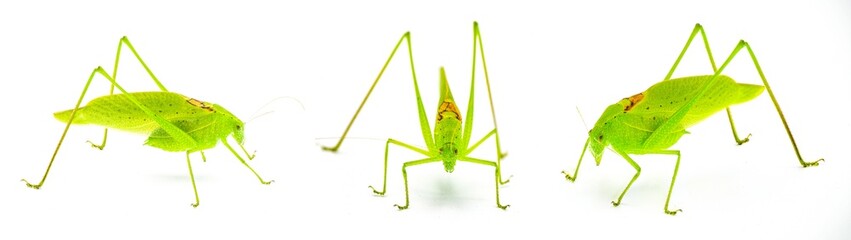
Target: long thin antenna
point(257, 113)
point(582, 118)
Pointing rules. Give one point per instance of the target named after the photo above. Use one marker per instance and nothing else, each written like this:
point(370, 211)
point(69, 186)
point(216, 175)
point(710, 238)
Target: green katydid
point(176, 123)
point(449, 144)
point(652, 121)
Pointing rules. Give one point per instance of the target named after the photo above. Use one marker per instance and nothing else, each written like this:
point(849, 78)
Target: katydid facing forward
point(451, 139)
point(176, 123)
point(651, 122)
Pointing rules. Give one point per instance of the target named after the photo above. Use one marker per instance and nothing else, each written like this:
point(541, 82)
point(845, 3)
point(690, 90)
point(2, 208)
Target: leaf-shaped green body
point(447, 128)
point(627, 124)
point(205, 122)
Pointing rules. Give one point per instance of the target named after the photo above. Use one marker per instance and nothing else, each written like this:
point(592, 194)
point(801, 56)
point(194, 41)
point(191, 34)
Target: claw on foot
point(502, 155)
point(401, 207)
point(376, 191)
point(99, 147)
point(568, 177)
point(30, 185)
point(503, 207)
point(267, 183)
point(618, 203)
point(673, 213)
point(506, 180)
point(251, 157)
point(813, 163)
point(743, 141)
point(195, 205)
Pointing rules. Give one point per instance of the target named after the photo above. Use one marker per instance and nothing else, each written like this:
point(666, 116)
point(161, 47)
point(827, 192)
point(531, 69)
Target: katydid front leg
point(576, 171)
point(225, 142)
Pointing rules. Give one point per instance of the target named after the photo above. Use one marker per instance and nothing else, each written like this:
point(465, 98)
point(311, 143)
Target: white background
point(544, 61)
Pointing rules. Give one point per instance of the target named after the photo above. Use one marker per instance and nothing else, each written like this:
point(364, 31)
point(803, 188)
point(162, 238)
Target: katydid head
point(232, 124)
point(448, 154)
point(597, 138)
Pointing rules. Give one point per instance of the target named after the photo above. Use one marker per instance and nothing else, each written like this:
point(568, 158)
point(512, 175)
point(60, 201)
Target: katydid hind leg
point(743, 44)
point(777, 107)
point(170, 128)
point(175, 132)
point(478, 49)
point(699, 29)
point(64, 132)
point(739, 46)
point(499, 151)
point(124, 41)
point(167, 126)
point(424, 125)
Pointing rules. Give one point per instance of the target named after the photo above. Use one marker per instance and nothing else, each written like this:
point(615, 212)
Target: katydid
point(450, 142)
point(176, 123)
point(650, 122)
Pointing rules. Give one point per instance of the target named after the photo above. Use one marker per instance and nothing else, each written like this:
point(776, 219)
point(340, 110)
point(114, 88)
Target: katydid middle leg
point(673, 179)
point(498, 175)
point(192, 177)
point(386, 151)
point(476, 145)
